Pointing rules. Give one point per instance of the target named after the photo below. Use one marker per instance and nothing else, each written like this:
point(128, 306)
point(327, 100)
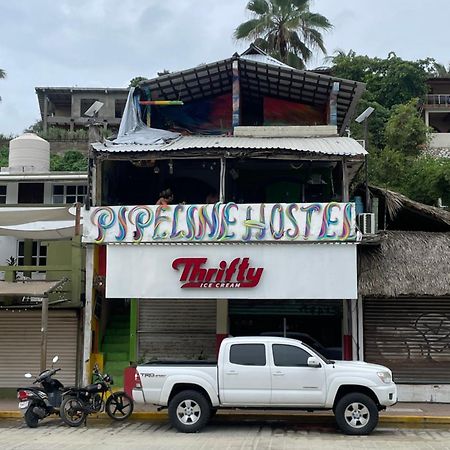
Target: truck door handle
point(231, 372)
point(278, 374)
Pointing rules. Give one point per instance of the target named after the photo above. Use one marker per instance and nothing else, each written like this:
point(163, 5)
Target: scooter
point(36, 403)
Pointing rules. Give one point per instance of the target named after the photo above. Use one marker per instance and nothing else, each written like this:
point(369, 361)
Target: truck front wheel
point(356, 414)
point(189, 411)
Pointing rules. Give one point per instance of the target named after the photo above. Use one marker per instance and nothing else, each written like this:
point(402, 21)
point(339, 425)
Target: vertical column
point(355, 334)
point(133, 328)
point(236, 94)
point(346, 331)
point(44, 320)
point(360, 307)
point(221, 322)
point(332, 104)
point(223, 167)
point(345, 182)
point(87, 338)
point(44, 119)
point(427, 118)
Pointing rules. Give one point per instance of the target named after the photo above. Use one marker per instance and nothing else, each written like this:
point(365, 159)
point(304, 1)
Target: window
point(31, 193)
point(68, 194)
point(2, 194)
point(289, 356)
point(248, 354)
point(39, 254)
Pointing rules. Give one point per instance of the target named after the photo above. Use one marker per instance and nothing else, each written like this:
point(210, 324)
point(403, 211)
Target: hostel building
point(223, 208)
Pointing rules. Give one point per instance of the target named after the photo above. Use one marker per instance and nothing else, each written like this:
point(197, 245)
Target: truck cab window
point(248, 354)
point(289, 356)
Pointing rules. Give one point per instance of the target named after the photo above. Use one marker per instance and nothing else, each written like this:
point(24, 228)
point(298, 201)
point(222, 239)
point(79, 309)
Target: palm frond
point(259, 7)
point(298, 46)
point(314, 39)
point(2, 73)
point(251, 29)
point(315, 20)
point(295, 61)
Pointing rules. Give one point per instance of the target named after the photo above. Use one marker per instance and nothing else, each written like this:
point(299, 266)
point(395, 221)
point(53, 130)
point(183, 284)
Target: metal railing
point(440, 100)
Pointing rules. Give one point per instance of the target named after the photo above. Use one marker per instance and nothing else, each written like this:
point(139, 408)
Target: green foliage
point(390, 81)
point(70, 161)
point(58, 133)
point(4, 156)
point(2, 75)
point(424, 179)
point(136, 80)
point(286, 29)
point(376, 124)
point(405, 130)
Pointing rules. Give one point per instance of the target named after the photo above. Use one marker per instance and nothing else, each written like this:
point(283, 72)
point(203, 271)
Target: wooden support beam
point(236, 88)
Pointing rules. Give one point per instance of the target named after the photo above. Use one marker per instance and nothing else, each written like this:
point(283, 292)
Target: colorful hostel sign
point(221, 222)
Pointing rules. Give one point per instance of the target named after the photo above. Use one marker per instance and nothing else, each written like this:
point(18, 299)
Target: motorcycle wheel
point(72, 412)
point(119, 406)
point(31, 419)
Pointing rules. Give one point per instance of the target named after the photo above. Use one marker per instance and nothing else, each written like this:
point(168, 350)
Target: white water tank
point(29, 153)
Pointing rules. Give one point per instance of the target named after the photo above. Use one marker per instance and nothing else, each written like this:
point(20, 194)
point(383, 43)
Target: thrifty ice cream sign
point(221, 222)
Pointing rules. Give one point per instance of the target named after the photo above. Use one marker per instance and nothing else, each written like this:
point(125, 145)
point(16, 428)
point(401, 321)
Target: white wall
point(440, 140)
point(8, 247)
point(434, 393)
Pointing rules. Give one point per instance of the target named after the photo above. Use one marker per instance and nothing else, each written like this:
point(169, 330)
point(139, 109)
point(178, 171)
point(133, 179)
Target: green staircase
point(116, 348)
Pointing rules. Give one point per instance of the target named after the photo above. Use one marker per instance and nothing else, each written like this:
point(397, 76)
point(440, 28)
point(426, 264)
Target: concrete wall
point(434, 393)
point(440, 140)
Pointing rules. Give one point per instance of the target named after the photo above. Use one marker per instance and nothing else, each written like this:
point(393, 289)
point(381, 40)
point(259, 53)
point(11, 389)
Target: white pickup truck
point(267, 372)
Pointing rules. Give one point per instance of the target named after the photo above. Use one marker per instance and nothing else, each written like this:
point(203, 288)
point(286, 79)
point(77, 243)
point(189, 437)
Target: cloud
point(107, 42)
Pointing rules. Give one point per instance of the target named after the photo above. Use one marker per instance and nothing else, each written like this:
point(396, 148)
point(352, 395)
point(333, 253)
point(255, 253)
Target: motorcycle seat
point(96, 387)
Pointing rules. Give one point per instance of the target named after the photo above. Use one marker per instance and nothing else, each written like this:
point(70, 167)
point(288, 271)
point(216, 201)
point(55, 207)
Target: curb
point(297, 417)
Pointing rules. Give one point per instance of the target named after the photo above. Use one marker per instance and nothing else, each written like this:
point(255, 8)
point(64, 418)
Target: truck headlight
point(385, 377)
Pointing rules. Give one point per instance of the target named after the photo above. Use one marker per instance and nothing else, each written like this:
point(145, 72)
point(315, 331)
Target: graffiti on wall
point(221, 222)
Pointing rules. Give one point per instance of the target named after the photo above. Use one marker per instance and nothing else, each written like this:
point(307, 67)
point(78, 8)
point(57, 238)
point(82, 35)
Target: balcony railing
point(438, 100)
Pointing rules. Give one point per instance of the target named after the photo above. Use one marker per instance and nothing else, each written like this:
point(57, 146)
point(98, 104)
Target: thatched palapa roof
point(396, 202)
point(413, 263)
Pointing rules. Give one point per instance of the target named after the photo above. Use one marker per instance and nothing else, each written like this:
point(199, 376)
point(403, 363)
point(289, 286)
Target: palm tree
point(286, 29)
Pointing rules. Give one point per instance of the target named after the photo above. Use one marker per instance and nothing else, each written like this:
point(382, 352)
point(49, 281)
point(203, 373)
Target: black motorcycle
point(78, 403)
point(40, 402)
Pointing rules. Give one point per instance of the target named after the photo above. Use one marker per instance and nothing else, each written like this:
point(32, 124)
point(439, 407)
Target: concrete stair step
point(115, 339)
point(122, 347)
point(116, 356)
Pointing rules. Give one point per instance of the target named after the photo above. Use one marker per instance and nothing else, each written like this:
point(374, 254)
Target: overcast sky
point(105, 43)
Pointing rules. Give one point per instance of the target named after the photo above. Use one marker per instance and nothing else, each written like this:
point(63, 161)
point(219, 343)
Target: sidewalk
point(406, 413)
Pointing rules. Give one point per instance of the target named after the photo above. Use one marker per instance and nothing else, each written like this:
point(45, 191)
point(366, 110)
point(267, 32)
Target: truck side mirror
point(313, 362)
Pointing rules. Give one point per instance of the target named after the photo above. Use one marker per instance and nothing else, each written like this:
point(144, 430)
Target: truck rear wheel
point(189, 411)
point(356, 414)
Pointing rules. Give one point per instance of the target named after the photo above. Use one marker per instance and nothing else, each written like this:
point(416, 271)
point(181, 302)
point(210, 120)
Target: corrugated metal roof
point(341, 146)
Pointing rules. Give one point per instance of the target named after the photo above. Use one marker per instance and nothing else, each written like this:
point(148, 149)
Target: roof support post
point(44, 322)
point(87, 326)
point(345, 183)
point(45, 114)
point(223, 168)
point(332, 104)
point(236, 92)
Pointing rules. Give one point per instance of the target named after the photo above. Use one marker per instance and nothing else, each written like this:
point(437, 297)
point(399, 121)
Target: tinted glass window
point(289, 356)
point(248, 354)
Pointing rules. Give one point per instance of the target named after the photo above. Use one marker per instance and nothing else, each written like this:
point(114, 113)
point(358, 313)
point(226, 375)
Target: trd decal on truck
point(237, 274)
point(152, 375)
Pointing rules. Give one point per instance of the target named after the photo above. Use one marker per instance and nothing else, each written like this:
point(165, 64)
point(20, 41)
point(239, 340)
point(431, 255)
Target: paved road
point(230, 435)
